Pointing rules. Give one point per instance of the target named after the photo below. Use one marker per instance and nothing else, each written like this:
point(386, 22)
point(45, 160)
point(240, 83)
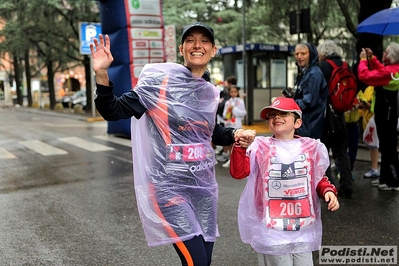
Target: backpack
point(342, 87)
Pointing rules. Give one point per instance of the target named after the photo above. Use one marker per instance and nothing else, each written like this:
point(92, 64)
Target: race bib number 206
point(186, 152)
point(287, 208)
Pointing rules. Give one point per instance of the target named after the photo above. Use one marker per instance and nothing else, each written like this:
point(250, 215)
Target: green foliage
point(49, 28)
point(267, 21)
point(46, 30)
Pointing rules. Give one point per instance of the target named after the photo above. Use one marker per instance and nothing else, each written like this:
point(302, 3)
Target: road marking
point(4, 154)
point(85, 144)
point(117, 140)
point(42, 148)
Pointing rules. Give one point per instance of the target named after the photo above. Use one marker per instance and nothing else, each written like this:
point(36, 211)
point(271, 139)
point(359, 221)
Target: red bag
point(342, 87)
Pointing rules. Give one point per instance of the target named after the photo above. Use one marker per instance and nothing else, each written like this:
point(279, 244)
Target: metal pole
point(93, 107)
point(244, 65)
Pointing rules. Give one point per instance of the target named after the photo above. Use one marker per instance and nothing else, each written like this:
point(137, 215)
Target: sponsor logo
point(174, 201)
point(201, 167)
point(295, 191)
point(196, 125)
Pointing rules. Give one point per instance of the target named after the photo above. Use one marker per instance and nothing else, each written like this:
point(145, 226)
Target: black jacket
point(113, 108)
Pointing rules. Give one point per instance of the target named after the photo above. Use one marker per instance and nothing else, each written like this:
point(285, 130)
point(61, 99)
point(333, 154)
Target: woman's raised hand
point(101, 53)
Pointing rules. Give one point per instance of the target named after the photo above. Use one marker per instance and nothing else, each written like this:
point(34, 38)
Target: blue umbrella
point(384, 22)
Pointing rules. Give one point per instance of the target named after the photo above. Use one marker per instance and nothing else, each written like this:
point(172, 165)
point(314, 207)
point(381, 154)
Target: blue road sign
point(88, 31)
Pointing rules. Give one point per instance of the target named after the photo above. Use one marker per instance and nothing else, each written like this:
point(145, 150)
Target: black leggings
point(195, 251)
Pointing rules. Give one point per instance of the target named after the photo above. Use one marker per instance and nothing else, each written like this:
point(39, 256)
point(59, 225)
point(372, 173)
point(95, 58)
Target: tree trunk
point(50, 78)
point(28, 79)
point(372, 41)
point(89, 86)
point(18, 81)
point(369, 40)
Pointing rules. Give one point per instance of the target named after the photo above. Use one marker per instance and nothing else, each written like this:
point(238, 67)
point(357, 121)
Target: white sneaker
point(375, 183)
point(373, 173)
point(224, 157)
point(386, 188)
point(226, 164)
point(218, 149)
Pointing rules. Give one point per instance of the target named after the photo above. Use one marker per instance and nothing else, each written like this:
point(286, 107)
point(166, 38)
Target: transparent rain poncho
point(173, 160)
point(279, 210)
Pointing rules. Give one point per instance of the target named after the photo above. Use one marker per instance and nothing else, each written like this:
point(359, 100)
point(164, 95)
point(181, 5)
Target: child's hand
point(332, 200)
point(244, 137)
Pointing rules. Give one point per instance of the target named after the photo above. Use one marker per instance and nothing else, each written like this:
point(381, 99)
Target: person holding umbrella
point(385, 79)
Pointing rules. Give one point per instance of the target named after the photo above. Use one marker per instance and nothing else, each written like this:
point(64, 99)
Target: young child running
point(279, 213)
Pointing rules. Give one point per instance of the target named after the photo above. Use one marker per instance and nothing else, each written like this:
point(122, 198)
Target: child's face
point(283, 124)
point(233, 92)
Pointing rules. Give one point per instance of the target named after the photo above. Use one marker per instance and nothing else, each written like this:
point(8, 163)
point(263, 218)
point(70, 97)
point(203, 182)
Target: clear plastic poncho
point(173, 160)
point(279, 210)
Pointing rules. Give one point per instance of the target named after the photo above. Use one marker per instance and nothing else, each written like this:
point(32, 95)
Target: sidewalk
point(84, 116)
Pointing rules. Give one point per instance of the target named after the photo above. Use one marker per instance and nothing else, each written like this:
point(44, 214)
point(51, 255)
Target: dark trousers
point(196, 250)
point(386, 119)
point(353, 141)
point(337, 142)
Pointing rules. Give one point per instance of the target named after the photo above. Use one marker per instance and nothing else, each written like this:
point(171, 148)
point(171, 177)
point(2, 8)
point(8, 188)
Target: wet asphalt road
point(79, 208)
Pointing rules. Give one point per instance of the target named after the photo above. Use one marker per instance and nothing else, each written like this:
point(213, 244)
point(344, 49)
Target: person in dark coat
point(310, 91)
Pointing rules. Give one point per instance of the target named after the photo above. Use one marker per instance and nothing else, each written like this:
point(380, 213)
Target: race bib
point(288, 194)
point(288, 209)
point(186, 152)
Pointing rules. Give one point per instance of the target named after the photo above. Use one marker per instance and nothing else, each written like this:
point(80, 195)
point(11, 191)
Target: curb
point(95, 119)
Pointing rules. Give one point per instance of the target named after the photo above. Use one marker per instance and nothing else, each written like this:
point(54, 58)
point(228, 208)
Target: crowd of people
point(175, 132)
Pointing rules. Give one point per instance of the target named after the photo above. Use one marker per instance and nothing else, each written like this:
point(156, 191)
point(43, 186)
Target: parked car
point(77, 98)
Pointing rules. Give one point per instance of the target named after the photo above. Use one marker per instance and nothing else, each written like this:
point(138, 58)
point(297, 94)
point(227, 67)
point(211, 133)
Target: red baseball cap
point(281, 104)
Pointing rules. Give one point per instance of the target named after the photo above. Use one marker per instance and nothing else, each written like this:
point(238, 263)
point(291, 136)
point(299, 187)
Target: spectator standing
point(174, 175)
point(224, 96)
point(233, 113)
point(224, 154)
point(338, 143)
point(371, 135)
point(310, 91)
point(285, 172)
point(352, 118)
point(385, 79)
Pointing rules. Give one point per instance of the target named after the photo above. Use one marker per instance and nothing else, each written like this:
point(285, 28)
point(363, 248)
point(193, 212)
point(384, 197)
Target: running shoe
point(226, 164)
point(387, 188)
point(373, 174)
point(223, 157)
point(375, 183)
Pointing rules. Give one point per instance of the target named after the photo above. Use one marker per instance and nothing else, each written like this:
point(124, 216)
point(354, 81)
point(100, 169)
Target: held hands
point(101, 54)
point(244, 137)
point(332, 200)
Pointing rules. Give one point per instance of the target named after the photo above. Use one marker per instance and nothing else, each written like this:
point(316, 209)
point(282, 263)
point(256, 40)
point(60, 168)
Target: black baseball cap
point(199, 25)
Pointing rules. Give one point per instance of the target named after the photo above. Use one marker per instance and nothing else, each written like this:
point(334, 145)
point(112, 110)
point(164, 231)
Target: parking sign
point(88, 31)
